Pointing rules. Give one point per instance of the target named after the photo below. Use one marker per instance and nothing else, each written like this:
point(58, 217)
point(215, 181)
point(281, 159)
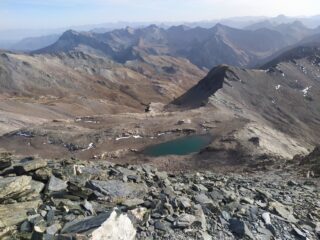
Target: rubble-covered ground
point(73, 199)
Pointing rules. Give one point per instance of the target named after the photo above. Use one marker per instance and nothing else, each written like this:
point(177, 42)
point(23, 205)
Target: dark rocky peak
point(69, 35)
point(208, 86)
point(74, 36)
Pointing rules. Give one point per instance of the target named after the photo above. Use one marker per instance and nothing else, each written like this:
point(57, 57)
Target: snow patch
point(136, 136)
point(119, 138)
point(306, 91)
point(278, 87)
point(127, 137)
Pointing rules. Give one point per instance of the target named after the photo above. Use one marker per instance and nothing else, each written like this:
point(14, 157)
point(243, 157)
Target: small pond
point(180, 146)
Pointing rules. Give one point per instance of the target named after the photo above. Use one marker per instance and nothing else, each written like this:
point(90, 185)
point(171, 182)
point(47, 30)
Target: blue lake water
point(180, 146)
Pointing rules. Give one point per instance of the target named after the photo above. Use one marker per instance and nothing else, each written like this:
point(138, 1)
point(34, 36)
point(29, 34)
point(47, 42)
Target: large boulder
point(29, 165)
point(116, 227)
point(13, 214)
point(283, 211)
point(83, 225)
point(117, 190)
point(240, 229)
point(185, 220)
point(13, 187)
point(5, 163)
point(56, 184)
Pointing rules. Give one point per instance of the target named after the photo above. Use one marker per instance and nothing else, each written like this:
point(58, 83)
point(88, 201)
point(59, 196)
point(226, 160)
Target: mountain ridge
point(203, 47)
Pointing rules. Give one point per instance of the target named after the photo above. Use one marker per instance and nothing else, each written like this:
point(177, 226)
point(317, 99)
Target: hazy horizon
point(39, 14)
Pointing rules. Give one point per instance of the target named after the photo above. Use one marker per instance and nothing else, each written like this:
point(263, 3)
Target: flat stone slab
point(79, 226)
point(56, 184)
point(12, 187)
point(13, 214)
point(29, 166)
point(116, 189)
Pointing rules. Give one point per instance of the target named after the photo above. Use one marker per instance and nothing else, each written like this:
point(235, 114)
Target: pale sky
point(62, 13)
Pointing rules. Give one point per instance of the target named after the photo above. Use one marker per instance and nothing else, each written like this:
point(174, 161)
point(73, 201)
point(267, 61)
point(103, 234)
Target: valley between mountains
point(98, 100)
point(108, 96)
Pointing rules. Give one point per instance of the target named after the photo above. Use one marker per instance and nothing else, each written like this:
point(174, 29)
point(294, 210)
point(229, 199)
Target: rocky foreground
point(71, 199)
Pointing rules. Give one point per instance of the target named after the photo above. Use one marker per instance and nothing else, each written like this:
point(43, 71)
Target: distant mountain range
point(129, 70)
point(11, 38)
point(203, 47)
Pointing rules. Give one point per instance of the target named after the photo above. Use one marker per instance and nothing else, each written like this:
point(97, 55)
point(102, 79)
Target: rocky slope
point(255, 116)
point(280, 101)
point(43, 87)
point(71, 199)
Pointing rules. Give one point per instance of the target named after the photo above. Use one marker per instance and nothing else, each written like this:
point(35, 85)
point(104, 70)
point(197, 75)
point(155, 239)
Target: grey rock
point(116, 189)
point(200, 217)
point(185, 220)
point(170, 219)
point(266, 218)
point(79, 226)
point(161, 175)
point(28, 166)
point(265, 234)
point(264, 194)
point(14, 187)
point(292, 183)
point(284, 211)
point(13, 214)
point(240, 229)
point(88, 206)
point(225, 215)
point(42, 174)
point(160, 226)
point(77, 190)
point(206, 236)
point(56, 184)
point(317, 229)
point(132, 203)
point(199, 188)
point(5, 163)
point(26, 227)
point(247, 200)
point(53, 229)
point(50, 216)
point(299, 233)
point(36, 186)
point(216, 195)
point(184, 202)
point(202, 199)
